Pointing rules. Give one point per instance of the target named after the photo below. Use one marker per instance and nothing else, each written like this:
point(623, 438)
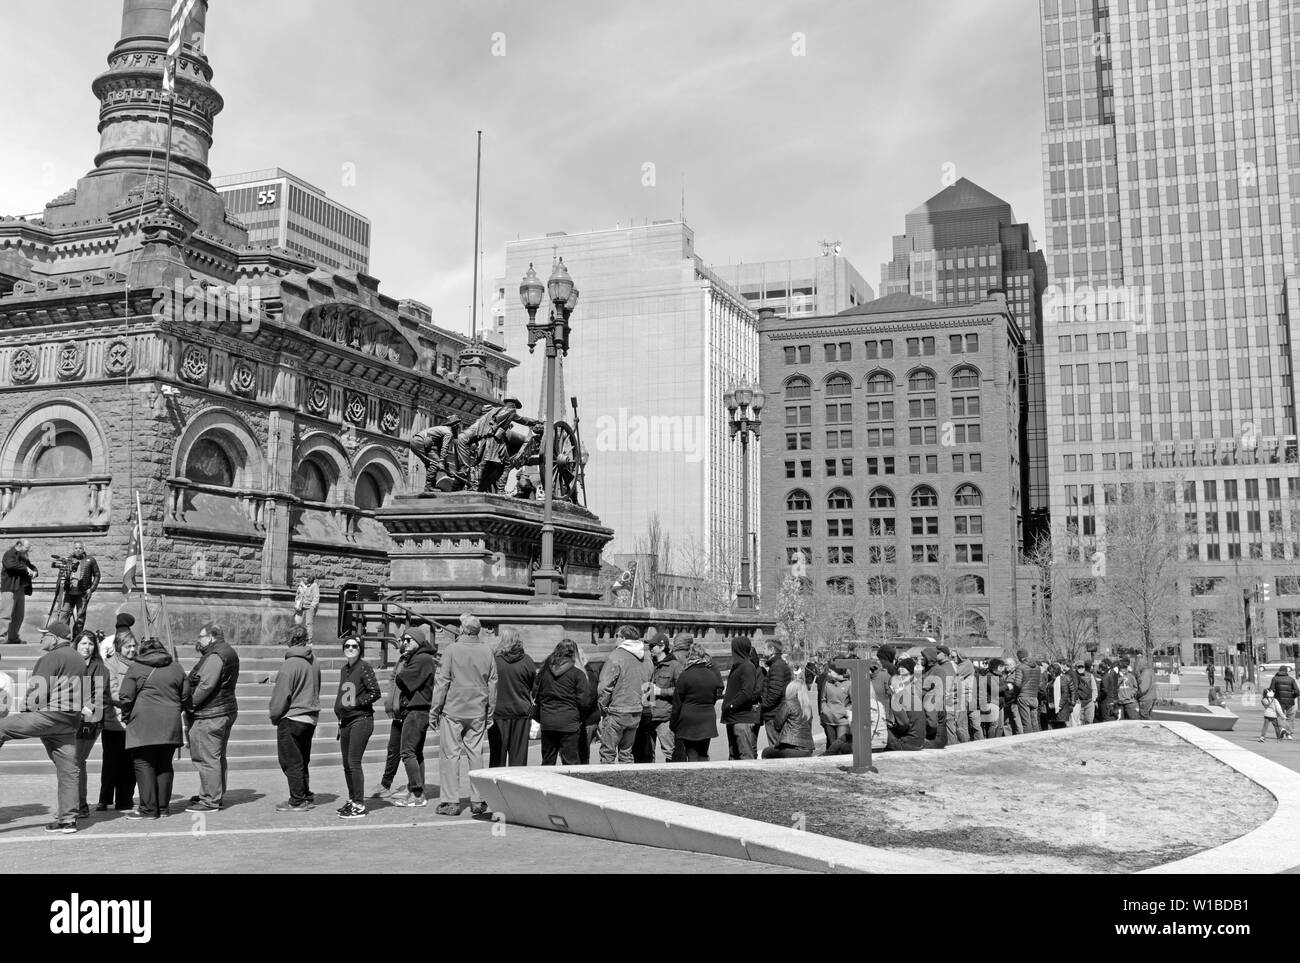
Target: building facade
point(799, 287)
point(281, 210)
point(1170, 163)
point(891, 470)
point(657, 340)
point(252, 402)
point(960, 244)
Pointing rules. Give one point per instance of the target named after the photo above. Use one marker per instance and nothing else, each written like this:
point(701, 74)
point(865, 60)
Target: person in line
point(562, 695)
point(294, 711)
point(775, 681)
point(906, 709)
point(54, 711)
point(1286, 691)
point(152, 693)
point(117, 771)
point(833, 702)
point(354, 707)
point(1105, 706)
point(951, 694)
point(406, 647)
point(1063, 695)
point(625, 673)
point(590, 730)
point(516, 673)
point(1026, 679)
point(16, 573)
point(793, 720)
point(655, 728)
point(96, 697)
point(968, 716)
point(1085, 692)
point(1229, 678)
point(210, 712)
point(464, 703)
point(1124, 691)
point(987, 721)
point(412, 698)
point(693, 720)
point(81, 579)
point(1146, 688)
point(741, 701)
point(305, 603)
point(933, 681)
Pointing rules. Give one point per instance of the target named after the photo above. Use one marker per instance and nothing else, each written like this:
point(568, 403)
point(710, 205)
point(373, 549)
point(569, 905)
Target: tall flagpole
point(478, 181)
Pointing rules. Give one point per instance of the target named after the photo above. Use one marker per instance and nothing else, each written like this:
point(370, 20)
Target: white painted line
point(269, 830)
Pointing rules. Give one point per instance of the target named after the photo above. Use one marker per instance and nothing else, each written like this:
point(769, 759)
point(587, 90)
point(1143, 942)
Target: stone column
point(281, 425)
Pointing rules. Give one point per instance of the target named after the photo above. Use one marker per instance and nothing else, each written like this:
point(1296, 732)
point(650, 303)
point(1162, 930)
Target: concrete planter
point(1218, 719)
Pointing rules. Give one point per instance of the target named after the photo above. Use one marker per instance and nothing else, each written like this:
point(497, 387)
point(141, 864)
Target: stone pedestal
point(469, 546)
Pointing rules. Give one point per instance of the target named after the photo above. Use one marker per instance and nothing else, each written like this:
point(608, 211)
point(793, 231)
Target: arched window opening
point(210, 464)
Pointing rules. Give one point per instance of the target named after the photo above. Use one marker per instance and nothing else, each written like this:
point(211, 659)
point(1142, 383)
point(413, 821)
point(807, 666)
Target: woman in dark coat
point(117, 773)
point(354, 706)
point(151, 696)
point(740, 703)
point(96, 699)
point(699, 687)
point(562, 697)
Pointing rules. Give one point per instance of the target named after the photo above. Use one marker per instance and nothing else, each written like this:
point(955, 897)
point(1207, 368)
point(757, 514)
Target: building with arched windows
point(254, 401)
point(891, 467)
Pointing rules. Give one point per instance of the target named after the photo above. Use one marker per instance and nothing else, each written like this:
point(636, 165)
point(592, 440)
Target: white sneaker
point(411, 799)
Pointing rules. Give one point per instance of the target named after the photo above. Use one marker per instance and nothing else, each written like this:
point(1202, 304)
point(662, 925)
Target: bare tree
point(656, 546)
point(712, 573)
point(1067, 616)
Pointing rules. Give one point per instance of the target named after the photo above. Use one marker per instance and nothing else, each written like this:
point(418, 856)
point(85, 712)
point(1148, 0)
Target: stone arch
point(227, 431)
point(24, 443)
point(378, 460)
point(324, 451)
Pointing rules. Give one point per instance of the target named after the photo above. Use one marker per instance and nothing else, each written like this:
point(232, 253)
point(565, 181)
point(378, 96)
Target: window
point(880, 466)
point(969, 552)
point(881, 527)
point(1288, 623)
point(880, 437)
point(797, 556)
point(929, 433)
point(837, 414)
point(839, 439)
point(839, 499)
point(798, 528)
point(208, 464)
point(1252, 489)
point(799, 354)
point(970, 434)
point(880, 349)
point(923, 496)
point(1230, 490)
point(965, 377)
point(968, 524)
point(839, 555)
point(922, 554)
point(925, 524)
point(880, 411)
point(920, 380)
point(966, 406)
point(838, 386)
point(882, 554)
point(843, 351)
point(796, 441)
point(970, 585)
point(968, 495)
point(840, 585)
point(798, 389)
point(372, 491)
point(972, 343)
point(798, 501)
point(310, 482)
point(921, 408)
point(1274, 487)
point(69, 457)
point(839, 527)
point(920, 346)
point(880, 383)
point(882, 585)
point(880, 497)
point(798, 415)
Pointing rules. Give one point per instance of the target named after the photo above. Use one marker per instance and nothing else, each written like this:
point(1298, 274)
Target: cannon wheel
point(566, 461)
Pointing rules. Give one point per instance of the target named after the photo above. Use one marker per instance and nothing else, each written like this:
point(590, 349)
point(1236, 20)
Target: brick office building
point(890, 465)
point(256, 401)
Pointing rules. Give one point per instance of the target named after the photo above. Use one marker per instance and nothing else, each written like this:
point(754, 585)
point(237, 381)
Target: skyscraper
point(1170, 160)
point(959, 245)
point(799, 287)
point(285, 211)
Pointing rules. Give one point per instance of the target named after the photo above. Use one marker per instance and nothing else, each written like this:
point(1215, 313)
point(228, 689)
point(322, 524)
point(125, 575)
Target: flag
point(181, 10)
point(132, 563)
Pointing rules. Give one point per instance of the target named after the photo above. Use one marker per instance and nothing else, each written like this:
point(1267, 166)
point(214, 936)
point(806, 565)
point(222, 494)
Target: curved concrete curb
point(551, 798)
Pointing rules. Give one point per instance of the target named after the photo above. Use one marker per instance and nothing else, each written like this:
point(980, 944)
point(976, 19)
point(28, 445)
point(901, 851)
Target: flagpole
point(167, 162)
point(144, 575)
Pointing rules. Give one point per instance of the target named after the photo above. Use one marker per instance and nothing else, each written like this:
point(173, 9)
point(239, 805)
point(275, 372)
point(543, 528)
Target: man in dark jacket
point(949, 683)
point(15, 586)
point(933, 688)
point(516, 673)
point(741, 705)
point(210, 715)
point(1026, 679)
point(906, 719)
point(413, 684)
point(774, 683)
point(1286, 691)
point(56, 696)
point(654, 719)
point(81, 579)
point(1146, 688)
point(988, 699)
point(294, 711)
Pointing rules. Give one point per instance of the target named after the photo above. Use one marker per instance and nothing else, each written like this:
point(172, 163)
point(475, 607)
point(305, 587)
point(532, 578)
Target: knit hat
point(59, 630)
point(125, 620)
point(930, 653)
point(907, 663)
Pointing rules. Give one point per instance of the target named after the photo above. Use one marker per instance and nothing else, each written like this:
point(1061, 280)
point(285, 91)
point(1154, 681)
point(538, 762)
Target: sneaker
point(344, 808)
point(311, 798)
point(102, 808)
point(288, 807)
point(83, 811)
point(383, 792)
point(195, 799)
point(136, 814)
point(478, 809)
point(411, 799)
point(448, 809)
point(353, 811)
point(1260, 739)
point(64, 828)
point(202, 807)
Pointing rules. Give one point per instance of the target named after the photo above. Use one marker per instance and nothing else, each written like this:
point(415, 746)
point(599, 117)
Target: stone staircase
point(252, 744)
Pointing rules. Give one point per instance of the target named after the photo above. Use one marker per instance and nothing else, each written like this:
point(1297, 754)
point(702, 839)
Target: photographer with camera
point(15, 586)
point(78, 578)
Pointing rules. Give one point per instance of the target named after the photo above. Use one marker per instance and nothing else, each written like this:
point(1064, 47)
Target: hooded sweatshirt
point(516, 673)
point(626, 670)
point(297, 688)
point(562, 695)
point(414, 678)
point(740, 705)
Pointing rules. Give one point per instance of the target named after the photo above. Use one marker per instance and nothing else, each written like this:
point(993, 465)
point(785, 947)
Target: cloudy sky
point(792, 122)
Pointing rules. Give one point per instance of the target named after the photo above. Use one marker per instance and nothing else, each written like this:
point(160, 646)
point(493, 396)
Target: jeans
point(353, 736)
point(957, 731)
point(586, 735)
point(617, 733)
point(508, 741)
point(73, 613)
point(293, 745)
point(393, 755)
point(153, 774)
point(84, 746)
point(561, 744)
point(1128, 710)
point(1087, 712)
point(697, 750)
point(13, 606)
point(58, 733)
point(742, 740)
point(1027, 715)
point(460, 752)
point(1289, 725)
point(653, 733)
point(117, 776)
point(415, 729)
point(208, 740)
point(307, 619)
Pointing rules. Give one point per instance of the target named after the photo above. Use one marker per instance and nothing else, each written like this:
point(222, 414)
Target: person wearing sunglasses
point(408, 705)
point(354, 706)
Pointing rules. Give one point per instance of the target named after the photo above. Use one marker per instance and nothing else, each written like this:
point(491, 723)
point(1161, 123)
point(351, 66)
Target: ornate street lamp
point(744, 411)
point(559, 290)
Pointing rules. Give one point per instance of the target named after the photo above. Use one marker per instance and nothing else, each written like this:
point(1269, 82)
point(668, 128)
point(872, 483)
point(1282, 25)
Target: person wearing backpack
point(1126, 691)
point(1286, 691)
point(1268, 701)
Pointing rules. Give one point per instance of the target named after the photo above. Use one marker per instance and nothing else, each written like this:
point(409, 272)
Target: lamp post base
point(744, 600)
point(547, 582)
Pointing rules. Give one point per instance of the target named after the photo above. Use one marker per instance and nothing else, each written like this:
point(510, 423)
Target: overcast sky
point(793, 122)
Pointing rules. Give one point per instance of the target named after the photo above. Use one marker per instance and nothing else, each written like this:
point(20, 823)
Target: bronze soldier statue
point(484, 443)
point(438, 450)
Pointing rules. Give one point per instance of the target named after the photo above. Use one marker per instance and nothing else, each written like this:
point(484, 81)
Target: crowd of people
point(651, 698)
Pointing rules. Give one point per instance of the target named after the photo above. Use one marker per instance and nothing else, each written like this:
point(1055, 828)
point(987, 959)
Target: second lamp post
point(744, 408)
